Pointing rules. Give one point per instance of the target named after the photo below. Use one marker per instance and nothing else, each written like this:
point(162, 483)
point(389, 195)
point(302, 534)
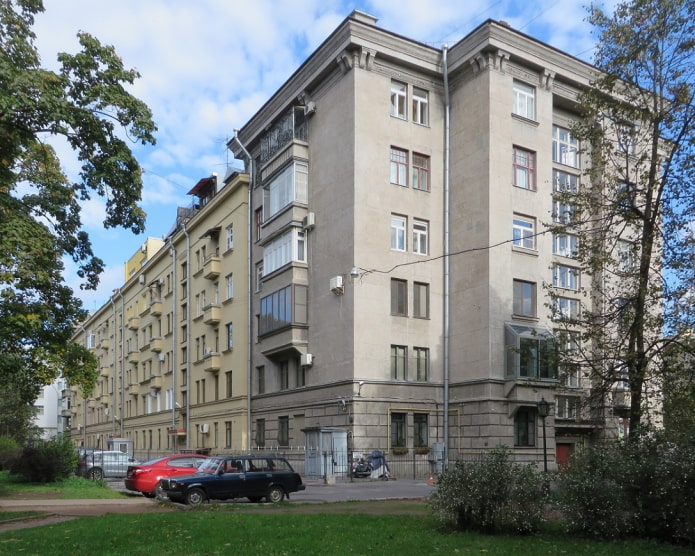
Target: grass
point(74, 487)
point(242, 532)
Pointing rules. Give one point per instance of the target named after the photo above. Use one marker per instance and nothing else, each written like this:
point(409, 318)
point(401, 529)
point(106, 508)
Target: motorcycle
point(361, 468)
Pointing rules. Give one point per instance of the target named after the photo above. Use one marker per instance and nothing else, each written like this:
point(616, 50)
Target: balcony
point(212, 314)
point(105, 344)
point(134, 389)
point(104, 372)
point(92, 404)
point(156, 344)
point(212, 362)
point(156, 383)
point(134, 323)
point(134, 357)
point(211, 267)
point(104, 399)
point(66, 413)
point(156, 307)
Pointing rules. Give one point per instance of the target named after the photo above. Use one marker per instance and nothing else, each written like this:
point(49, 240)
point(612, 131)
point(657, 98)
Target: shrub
point(493, 495)
point(46, 461)
point(8, 451)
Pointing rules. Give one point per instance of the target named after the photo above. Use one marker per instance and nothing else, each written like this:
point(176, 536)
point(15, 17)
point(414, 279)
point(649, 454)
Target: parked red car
point(146, 476)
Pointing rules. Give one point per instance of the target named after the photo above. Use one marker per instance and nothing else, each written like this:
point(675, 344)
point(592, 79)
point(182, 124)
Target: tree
point(86, 106)
point(634, 211)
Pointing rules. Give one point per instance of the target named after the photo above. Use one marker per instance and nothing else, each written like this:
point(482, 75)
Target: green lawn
point(75, 487)
point(215, 531)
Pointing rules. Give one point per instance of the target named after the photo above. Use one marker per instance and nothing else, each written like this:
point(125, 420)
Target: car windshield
point(210, 465)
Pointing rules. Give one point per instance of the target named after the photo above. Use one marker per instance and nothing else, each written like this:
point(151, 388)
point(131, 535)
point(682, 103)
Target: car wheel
point(195, 496)
point(96, 474)
point(148, 494)
point(275, 494)
point(255, 499)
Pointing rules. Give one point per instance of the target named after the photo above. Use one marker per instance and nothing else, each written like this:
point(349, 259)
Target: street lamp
point(543, 412)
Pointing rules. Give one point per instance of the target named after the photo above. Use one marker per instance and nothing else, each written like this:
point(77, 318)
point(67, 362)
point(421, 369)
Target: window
point(564, 182)
point(566, 277)
point(566, 308)
point(398, 227)
point(284, 431)
point(524, 232)
point(563, 212)
point(420, 429)
point(398, 430)
point(625, 196)
point(565, 147)
point(524, 298)
point(259, 276)
point(525, 427)
point(289, 247)
point(421, 361)
point(421, 172)
point(284, 374)
point(569, 375)
point(230, 236)
point(283, 308)
point(626, 256)
point(399, 297)
point(531, 352)
point(524, 168)
point(566, 407)
point(300, 374)
point(260, 433)
point(259, 222)
point(565, 245)
point(421, 300)
point(399, 92)
point(230, 335)
point(289, 186)
point(260, 379)
point(229, 389)
point(399, 363)
point(230, 286)
point(227, 434)
point(524, 100)
point(420, 237)
point(399, 166)
point(420, 106)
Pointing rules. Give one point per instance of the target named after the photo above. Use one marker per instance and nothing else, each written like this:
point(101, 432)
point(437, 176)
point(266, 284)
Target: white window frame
point(563, 212)
point(566, 245)
point(291, 185)
point(565, 182)
point(399, 227)
point(230, 237)
point(566, 277)
point(287, 248)
point(398, 160)
point(421, 229)
point(399, 99)
point(420, 104)
point(565, 147)
point(230, 286)
point(524, 100)
point(524, 232)
point(625, 256)
point(566, 307)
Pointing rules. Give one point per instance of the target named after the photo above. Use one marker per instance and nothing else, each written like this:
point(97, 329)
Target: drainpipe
point(447, 225)
point(174, 344)
point(122, 430)
point(188, 338)
point(249, 323)
point(115, 362)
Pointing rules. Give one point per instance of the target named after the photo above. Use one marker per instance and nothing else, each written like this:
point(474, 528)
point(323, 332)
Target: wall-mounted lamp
point(359, 387)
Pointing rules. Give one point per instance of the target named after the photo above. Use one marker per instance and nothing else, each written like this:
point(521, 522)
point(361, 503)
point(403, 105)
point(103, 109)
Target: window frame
point(420, 106)
point(521, 105)
point(399, 235)
point(520, 300)
point(399, 297)
point(421, 362)
point(566, 277)
point(399, 362)
point(421, 236)
point(565, 147)
point(230, 236)
point(421, 429)
point(420, 174)
point(229, 335)
point(398, 166)
point(525, 427)
point(566, 245)
point(421, 303)
point(524, 165)
point(284, 431)
point(399, 429)
point(524, 232)
point(399, 99)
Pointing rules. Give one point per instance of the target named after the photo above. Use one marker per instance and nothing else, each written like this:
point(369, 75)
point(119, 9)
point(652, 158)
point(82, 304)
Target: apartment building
point(172, 342)
point(399, 195)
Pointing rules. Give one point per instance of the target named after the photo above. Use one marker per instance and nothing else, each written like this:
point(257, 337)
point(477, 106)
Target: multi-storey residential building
point(398, 203)
point(172, 342)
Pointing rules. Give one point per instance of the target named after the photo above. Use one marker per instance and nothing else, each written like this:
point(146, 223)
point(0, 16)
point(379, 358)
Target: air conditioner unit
point(207, 351)
point(141, 279)
point(310, 108)
point(204, 428)
point(307, 359)
point(106, 411)
point(336, 285)
point(162, 357)
point(309, 221)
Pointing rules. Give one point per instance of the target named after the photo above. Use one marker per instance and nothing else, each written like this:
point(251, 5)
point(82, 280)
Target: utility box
point(437, 457)
point(124, 445)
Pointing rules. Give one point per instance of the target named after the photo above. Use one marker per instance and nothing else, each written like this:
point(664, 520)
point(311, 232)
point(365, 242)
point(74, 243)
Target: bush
point(494, 495)
point(8, 451)
point(644, 486)
point(46, 461)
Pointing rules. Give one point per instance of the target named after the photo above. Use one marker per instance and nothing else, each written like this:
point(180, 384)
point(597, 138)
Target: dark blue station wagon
point(225, 477)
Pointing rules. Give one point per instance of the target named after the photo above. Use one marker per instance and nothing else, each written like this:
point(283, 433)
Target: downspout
point(188, 338)
point(249, 274)
point(122, 429)
point(115, 363)
point(172, 254)
point(447, 225)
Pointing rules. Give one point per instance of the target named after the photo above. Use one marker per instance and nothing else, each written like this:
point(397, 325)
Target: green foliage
point(9, 448)
point(493, 495)
point(46, 461)
point(643, 487)
point(85, 106)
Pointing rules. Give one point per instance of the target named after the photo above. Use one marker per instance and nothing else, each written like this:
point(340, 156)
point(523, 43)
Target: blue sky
point(208, 66)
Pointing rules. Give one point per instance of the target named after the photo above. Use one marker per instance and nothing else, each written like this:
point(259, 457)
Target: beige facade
point(172, 342)
point(399, 195)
